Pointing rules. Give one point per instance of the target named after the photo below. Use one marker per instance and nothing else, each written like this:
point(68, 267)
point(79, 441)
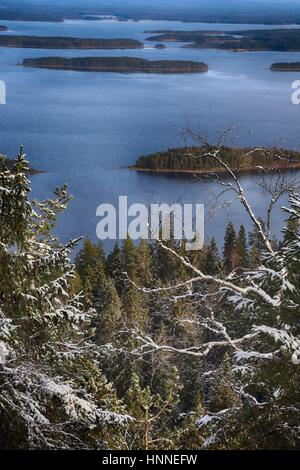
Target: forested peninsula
point(191, 160)
point(3, 28)
point(57, 42)
point(286, 67)
point(117, 64)
point(251, 40)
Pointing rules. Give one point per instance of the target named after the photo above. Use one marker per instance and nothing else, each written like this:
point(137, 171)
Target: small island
point(117, 64)
point(249, 40)
point(286, 67)
point(3, 28)
point(184, 160)
point(57, 42)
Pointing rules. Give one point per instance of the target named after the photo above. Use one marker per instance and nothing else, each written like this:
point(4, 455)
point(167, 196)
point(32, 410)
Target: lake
point(84, 128)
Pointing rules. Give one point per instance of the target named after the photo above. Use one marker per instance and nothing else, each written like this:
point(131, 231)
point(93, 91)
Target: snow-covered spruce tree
point(267, 363)
point(53, 394)
point(252, 320)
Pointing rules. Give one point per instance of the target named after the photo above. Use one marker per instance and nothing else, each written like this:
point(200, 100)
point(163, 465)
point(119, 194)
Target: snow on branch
point(149, 346)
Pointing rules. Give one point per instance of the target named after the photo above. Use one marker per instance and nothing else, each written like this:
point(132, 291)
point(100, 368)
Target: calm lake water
point(84, 128)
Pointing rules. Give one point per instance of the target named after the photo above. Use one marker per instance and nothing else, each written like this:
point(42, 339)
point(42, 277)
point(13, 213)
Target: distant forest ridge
point(247, 12)
point(24, 13)
point(3, 28)
point(49, 42)
point(117, 64)
point(190, 160)
point(249, 40)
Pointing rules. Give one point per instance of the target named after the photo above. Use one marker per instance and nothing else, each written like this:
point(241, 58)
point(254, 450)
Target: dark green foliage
point(256, 244)
point(212, 262)
point(89, 257)
point(115, 267)
point(230, 252)
point(242, 248)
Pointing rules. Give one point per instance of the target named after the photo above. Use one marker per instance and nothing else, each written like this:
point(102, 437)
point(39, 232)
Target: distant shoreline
point(216, 171)
point(139, 13)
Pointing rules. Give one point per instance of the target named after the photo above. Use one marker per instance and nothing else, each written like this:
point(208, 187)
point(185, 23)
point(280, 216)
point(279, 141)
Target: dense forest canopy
point(146, 347)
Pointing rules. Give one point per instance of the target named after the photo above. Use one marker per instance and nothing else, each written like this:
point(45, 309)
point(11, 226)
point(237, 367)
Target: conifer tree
point(254, 257)
point(229, 251)
point(255, 240)
point(144, 264)
point(107, 305)
point(267, 357)
point(291, 230)
point(165, 265)
point(134, 308)
point(129, 259)
point(46, 363)
point(242, 249)
point(89, 256)
point(212, 258)
point(115, 268)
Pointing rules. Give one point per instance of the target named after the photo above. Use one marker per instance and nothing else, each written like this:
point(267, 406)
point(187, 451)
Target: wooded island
point(57, 42)
point(191, 160)
point(286, 67)
point(117, 64)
